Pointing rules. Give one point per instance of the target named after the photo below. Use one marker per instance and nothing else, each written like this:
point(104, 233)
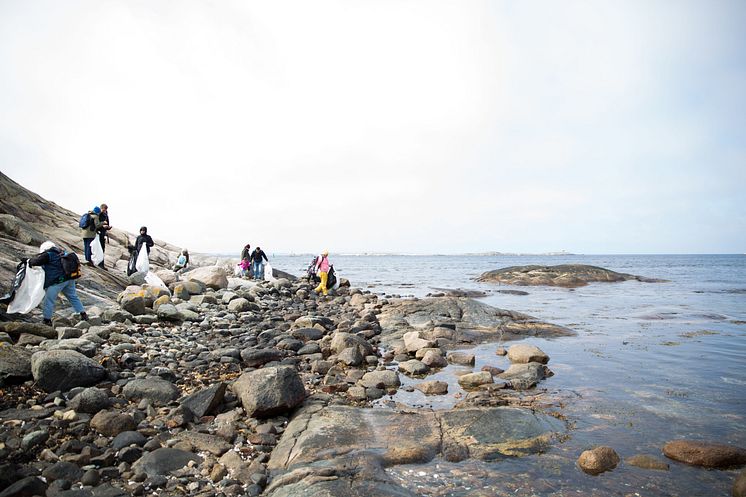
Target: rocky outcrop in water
point(565, 275)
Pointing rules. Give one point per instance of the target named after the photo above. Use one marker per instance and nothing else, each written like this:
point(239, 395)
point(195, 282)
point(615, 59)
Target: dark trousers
point(87, 248)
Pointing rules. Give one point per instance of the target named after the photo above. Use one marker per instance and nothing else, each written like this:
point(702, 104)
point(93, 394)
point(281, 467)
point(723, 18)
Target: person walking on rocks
point(257, 264)
point(103, 231)
point(56, 281)
point(89, 233)
point(322, 269)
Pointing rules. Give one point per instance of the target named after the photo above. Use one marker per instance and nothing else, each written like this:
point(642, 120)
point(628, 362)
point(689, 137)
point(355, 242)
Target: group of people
point(252, 263)
point(58, 278)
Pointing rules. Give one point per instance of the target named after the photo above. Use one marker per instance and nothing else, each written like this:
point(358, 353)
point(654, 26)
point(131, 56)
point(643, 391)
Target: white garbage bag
point(143, 264)
point(30, 293)
point(97, 252)
point(152, 279)
point(238, 271)
point(268, 276)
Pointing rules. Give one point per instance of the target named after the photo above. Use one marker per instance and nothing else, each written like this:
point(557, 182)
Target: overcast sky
point(385, 126)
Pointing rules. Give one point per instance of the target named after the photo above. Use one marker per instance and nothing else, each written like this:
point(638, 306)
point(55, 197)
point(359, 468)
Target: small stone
point(91, 478)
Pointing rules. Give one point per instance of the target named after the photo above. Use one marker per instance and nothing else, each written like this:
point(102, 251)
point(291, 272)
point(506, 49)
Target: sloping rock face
point(454, 321)
point(325, 444)
point(564, 275)
point(27, 220)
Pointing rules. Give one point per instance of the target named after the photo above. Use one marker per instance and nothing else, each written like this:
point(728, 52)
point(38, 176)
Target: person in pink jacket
point(322, 268)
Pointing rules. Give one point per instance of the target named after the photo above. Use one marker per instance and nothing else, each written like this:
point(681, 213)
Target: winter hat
point(46, 246)
point(97, 210)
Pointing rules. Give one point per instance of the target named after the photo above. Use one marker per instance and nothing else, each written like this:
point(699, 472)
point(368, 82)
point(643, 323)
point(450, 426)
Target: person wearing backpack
point(257, 264)
point(89, 229)
point(322, 269)
point(103, 230)
point(57, 279)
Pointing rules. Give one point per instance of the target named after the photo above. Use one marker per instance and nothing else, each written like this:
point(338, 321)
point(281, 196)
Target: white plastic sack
point(152, 279)
point(30, 293)
point(238, 270)
point(268, 276)
point(142, 265)
point(97, 252)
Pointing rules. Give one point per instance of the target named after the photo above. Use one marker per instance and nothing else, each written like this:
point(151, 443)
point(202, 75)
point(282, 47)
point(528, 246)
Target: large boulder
point(65, 369)
point(213, 277)
point(705, 454)
point(523, 353)
point(15, 364)
point(564, 275)
point(524, 376)
point(270, 391)
point(157, 391)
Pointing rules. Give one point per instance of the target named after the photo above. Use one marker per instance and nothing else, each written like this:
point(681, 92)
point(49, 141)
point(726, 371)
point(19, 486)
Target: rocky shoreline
point(204, 391)
point(266, 389)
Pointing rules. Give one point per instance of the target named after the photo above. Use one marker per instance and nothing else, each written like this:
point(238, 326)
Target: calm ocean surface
point(651, 362)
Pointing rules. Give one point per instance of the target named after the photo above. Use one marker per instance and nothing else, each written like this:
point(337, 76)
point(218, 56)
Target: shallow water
point(651, 362)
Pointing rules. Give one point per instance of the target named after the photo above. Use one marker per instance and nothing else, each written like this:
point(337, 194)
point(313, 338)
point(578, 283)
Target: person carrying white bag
point(61, 269)
point(143, 265)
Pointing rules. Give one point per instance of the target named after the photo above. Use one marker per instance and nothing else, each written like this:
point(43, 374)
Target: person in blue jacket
point(55, 281)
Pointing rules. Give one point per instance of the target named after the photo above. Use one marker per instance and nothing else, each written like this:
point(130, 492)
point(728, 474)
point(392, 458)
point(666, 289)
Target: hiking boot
point(83, 316)
point(48, 322)
point(90, 263)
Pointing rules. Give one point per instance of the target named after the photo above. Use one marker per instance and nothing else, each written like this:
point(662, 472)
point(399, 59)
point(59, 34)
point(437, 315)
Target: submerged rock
point(705, 454)
point(598, 460)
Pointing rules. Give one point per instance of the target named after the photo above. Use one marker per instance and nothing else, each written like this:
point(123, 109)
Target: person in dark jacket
point(246, 253)
point(143, 239)
point(55, 281)
point(257, 265)
point(103, 230)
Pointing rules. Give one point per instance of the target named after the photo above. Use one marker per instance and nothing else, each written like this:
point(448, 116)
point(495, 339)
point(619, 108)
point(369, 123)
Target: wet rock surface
point(564, 275)
point(264, 383)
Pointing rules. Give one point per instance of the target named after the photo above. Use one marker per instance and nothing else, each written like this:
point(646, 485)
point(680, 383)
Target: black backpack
point(70, 265)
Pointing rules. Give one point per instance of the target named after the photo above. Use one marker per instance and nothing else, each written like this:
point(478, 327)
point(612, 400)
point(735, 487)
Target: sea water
point(651, 362)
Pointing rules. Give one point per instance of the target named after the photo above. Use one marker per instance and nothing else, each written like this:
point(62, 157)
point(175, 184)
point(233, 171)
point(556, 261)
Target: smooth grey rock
point(259, 357)
point(63, 471)
point(65, 369)
point(127, 438)
point(164, 461)
point(157, 391)
point(91, 400)
point(386, 378)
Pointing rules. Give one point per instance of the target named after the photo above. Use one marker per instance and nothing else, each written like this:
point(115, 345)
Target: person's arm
point(265, 256)
point(39, 260)
point(150, 241)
